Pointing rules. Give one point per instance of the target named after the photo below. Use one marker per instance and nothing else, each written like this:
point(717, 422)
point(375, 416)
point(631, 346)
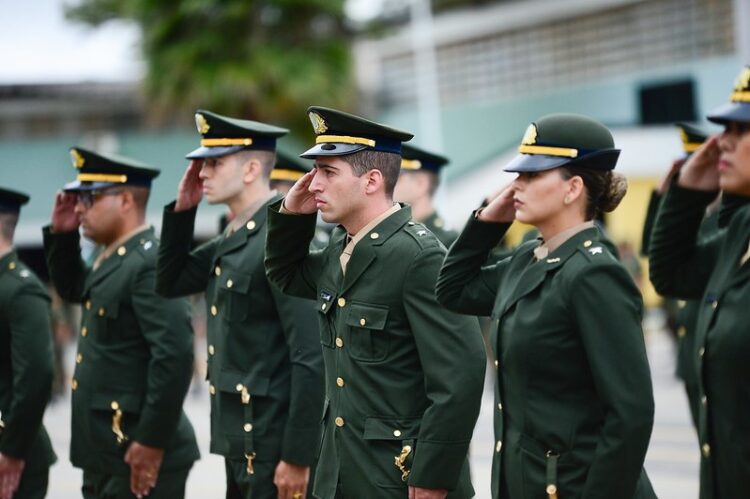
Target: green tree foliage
point(262, 59)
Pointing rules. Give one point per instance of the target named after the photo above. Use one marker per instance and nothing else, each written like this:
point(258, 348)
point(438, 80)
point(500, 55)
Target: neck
point(5, 246)
point(422, 208)
point(563, 221)
point(128, 225)
point(367, 214)
point(253, 193)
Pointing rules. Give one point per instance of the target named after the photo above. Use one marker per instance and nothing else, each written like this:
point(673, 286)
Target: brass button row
point(79, 358)
point(84, 331)
point(214, 310)
point(211, 350)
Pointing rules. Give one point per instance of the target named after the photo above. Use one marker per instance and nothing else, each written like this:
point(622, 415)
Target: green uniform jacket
point(260, 341)
point(684, 267)
point(574, 404)
point(135, 353)
point(437, 226)
point(400, 369)
point(25, 365)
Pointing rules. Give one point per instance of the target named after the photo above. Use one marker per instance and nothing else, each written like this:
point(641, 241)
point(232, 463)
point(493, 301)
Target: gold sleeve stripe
point(411, 164)
point(549, 151)
point(345, 139)
point(282, 174)
point(226, 142)
point(102, 177)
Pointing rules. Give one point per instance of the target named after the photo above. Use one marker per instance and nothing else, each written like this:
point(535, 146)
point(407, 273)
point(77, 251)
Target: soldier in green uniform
point(574, 404)
point(716, 272)
point(25, 366)
point(416, 186)
point(264, 361)
point(403, 375)
point(135, 348)
point(681, 314)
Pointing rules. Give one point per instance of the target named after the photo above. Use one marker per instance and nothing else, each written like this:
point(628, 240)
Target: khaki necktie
point(746, 256)
point(346, 254)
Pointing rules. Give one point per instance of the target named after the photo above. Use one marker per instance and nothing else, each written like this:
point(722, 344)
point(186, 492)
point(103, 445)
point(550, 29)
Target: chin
point(734, 186)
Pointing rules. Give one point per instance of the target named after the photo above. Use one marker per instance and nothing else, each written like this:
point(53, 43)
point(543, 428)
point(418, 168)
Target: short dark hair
point(388, 163)
point(140, 196)
point(267, 159)
point(8, 222)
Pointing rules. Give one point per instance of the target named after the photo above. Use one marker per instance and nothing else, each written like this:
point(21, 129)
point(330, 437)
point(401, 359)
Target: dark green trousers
point(170, 485)
point(33, 485)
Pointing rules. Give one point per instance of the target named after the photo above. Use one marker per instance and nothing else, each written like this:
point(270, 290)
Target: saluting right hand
point(190, 190)
point(700, 171)
point(500, 209)
point(299, 199)
point(64, 216)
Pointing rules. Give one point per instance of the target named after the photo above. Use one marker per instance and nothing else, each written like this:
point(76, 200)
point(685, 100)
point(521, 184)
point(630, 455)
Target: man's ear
point(127, 201)
point(251, 170)
point(375, 181)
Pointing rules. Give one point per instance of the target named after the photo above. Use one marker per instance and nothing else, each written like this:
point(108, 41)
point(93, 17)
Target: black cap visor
point(213, 152)
point(599, 160)
point(731, 112)
point(332, 149)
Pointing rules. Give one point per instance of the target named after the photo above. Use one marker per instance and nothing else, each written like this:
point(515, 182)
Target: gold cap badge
point(76, 158)
point(318, 124)
point(201, 124)
point(529, 138)
point(743, 80)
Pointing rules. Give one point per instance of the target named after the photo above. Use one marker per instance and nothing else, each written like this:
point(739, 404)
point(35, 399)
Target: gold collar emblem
point(77, 158)
point(743, 80)
point(201, 124)
point(318, 124)
point(529, 138)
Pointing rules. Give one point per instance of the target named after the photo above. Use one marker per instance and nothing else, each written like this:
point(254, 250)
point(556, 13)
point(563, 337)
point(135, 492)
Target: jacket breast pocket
point(324, 305)
point(108, 319)
point(235, 287)
point(115, 415)
point(368, 340)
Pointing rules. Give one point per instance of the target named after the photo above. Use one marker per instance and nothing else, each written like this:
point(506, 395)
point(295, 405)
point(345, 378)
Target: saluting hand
point(500, 209)
point(700, 171)
point(190, 190)
point(64, 216)
point(10, 475)
point(667, 179)
point(299, 199)
point(144, 464)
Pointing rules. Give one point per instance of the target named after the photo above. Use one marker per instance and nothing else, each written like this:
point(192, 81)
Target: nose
point(79, 208)
point(316, 185)
point(728, 137)
point(203, 173)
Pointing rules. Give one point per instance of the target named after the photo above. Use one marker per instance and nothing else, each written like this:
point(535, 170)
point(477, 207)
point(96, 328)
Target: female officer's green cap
point(565, 140)
point(738, 108)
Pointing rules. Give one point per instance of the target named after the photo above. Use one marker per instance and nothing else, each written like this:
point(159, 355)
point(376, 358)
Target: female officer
point(574, 401)
point(717, 273)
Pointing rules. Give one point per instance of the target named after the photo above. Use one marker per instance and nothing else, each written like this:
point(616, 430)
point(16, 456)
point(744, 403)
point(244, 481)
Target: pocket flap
point(391, 428)
point(367, 316)
point(236, 282)
point(235, 381)
point(110, 400)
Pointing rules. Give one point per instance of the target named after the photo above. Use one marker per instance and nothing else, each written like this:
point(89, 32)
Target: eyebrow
point(321, 166)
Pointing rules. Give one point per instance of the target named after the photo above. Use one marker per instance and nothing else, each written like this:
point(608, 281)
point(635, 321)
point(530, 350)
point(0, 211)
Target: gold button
point(74, 384)
point(340, 381)
point(362, 321)
point(248, 427)
point(214, 310)
point(681, 303)
point(211, 350)
point(681, 332)
point(217, 270)
point(551, 490)
point(587, 243)
point(101, 312)
point(230, 283)
point(396, 433)
point(499, 407)
point(250, 225)
point(323, 307)
point(704, 400)
point(239, 387)
point(12, 265)
point(79, 358)
point(121, 251)
point(497, 364)
point(339, 421)
point(212, 389)
point(341, 301)
point(114, 405)
point(88, 304)
point(706, 449)
point(714, 304)
point(339, 343)
point(374, 235)
point(84, 331)
point(498, 446)
point(702, 352)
